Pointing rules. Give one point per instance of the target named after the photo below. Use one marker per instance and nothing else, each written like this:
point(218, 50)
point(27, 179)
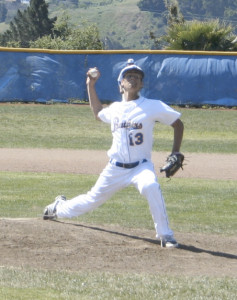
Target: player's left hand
point(173, 163)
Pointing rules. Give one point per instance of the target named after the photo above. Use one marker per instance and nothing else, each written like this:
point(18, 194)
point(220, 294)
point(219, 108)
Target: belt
point(127, 166)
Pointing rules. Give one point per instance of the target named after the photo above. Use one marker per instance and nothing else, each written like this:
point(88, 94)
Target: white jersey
point(132, 124)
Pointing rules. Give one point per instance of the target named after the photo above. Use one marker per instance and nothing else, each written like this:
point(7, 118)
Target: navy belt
point(127, 166)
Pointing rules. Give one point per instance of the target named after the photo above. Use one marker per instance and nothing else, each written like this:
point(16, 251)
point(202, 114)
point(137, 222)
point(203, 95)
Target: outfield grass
point(74, 127)
point(193, 205)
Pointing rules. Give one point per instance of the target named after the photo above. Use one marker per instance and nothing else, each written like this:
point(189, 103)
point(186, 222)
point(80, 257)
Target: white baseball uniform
point(132, 125)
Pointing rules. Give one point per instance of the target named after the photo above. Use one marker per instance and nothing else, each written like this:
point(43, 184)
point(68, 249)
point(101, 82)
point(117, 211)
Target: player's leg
point(146, 182)
point(110, 180)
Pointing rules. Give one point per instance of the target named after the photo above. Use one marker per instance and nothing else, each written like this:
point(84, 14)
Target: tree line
point(212, 35)
point(32, 28)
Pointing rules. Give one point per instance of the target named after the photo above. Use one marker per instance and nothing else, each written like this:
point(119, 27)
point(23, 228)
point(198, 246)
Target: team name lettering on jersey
point(126, 124)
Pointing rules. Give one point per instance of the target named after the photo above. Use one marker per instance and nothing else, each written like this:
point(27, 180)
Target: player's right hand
point(93, 75)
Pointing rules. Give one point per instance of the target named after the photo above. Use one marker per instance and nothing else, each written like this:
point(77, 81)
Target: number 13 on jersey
point(135, 139)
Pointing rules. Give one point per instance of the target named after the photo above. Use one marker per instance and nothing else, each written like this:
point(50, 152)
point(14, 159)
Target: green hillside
point(122, 25)
point(119, 21)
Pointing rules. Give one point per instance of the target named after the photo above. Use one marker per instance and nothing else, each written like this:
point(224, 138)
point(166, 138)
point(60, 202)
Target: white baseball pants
point(113, 179)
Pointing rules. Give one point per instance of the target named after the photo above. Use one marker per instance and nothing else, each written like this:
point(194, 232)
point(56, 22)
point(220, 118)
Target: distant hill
point(123, 25)
point(120, 22)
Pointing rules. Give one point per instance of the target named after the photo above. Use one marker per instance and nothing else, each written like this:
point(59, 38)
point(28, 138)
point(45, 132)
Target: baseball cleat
point(169, 242)
point(50, 210)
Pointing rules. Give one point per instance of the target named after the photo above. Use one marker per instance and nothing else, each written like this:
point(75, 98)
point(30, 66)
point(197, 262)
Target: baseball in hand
point(93, 72)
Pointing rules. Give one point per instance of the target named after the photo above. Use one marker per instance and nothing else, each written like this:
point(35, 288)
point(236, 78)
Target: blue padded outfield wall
point(176, 77)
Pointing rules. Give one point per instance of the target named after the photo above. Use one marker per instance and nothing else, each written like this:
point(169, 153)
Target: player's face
point(132, 80)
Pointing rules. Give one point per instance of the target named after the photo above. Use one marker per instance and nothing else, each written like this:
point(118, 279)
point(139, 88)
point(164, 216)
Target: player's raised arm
point(95, 104)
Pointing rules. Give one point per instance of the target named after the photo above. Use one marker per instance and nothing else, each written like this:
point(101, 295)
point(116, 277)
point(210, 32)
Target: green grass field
point(189, 207)
point(41, 285)
point(193, 205)
point(74, 127)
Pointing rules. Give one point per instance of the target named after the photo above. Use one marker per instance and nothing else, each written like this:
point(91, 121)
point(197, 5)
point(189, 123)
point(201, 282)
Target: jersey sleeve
point(165, 114)
point(105, 115)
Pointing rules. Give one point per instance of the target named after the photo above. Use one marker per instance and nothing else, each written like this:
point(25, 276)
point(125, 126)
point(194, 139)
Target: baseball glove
point(173, 163)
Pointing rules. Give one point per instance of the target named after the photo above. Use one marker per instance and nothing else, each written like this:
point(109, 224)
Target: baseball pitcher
point(131, 121)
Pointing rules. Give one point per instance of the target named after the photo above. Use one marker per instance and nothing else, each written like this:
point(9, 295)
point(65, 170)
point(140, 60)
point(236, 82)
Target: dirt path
point(71, 245)
point(212, 166)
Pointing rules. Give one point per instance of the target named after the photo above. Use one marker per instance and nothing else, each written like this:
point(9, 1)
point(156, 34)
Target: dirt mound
point(75, 246)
